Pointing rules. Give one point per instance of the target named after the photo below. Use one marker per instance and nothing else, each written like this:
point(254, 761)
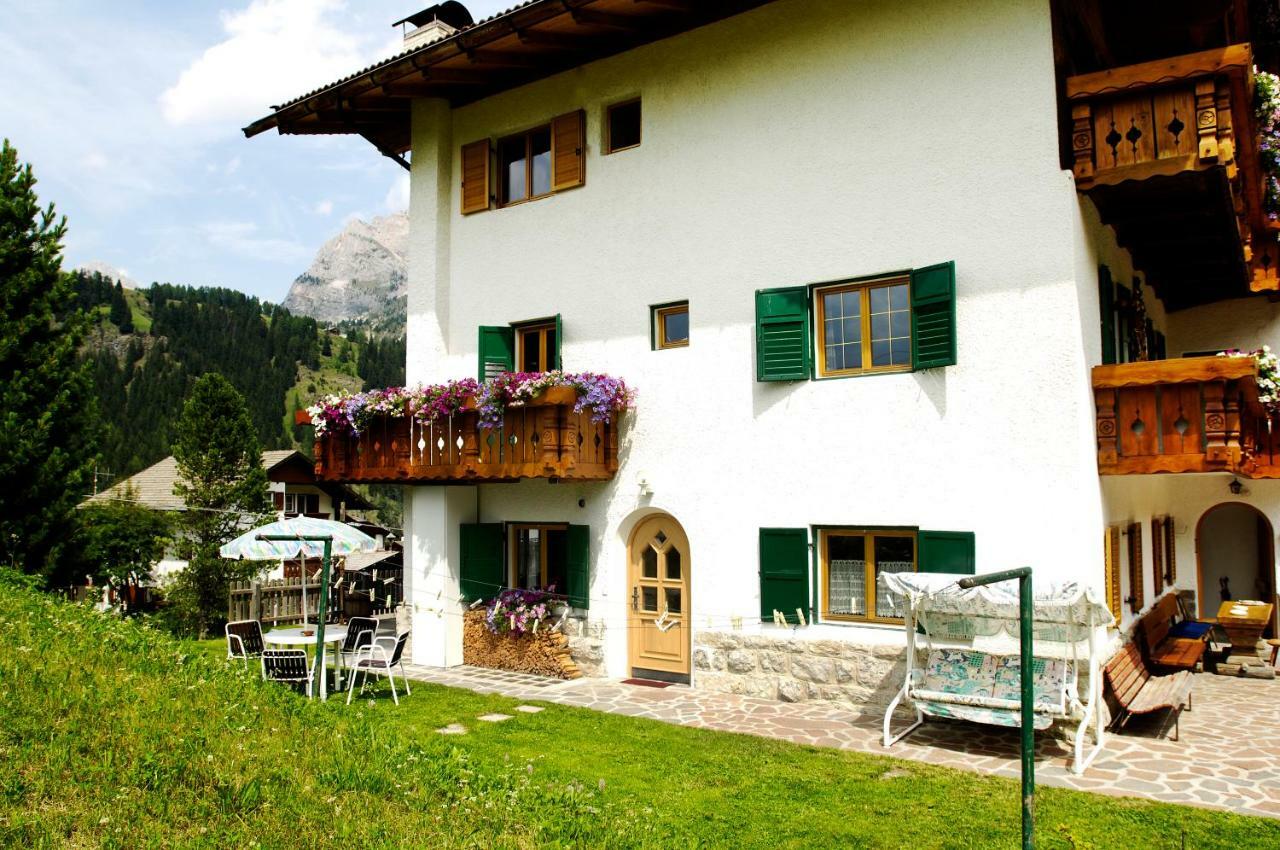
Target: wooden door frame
point(687, 591)
point(1268, 558)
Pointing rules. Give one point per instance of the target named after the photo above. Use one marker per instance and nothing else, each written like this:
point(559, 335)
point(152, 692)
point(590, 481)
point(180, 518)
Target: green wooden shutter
point(497, 350)
point(481, 571)
point(1107, 311)
point(555, 355)
point(784, 572)
point(782, 334)
point(578, 572)
point(933, 316)
point(947, 552)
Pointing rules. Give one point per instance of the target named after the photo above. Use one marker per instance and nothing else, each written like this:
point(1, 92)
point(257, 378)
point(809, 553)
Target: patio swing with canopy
point(971, 669)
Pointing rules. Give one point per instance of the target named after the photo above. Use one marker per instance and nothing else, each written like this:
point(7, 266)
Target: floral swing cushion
point(1049, 678)
point(959, 671)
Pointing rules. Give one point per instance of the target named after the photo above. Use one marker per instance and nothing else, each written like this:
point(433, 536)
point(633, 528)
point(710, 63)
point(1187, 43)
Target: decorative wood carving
point(1207, 120)
point(1082, 141)
point(1196, 414)
point(1108, 440)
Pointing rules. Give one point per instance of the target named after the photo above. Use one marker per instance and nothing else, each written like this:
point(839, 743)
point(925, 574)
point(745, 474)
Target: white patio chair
point(376, 658)
point(360, 633)
point(288, 665)
point(244, 640)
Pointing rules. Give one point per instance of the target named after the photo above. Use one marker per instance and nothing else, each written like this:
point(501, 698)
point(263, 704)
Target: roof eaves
point(453, 40)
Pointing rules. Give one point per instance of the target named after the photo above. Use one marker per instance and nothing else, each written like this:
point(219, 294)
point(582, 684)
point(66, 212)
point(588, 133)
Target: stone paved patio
point(1228, 756)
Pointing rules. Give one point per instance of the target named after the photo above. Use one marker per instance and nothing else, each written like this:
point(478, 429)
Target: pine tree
point(47, 410)
point(224, 485)
point(121, 316)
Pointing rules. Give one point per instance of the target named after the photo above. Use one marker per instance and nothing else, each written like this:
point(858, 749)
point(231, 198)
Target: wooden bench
point(1139, 692)
point(1164, 650)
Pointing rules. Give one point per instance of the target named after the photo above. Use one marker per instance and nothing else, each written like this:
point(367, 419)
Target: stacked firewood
point(545, 653)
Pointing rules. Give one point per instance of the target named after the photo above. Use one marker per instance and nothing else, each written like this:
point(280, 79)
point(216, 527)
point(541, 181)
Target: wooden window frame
point(608, 126)
point(513, 549)
point(545, 356)
point(527, 136)
point(660, 314)
point(824, 573)
point(1158, 571)
point(863, 287)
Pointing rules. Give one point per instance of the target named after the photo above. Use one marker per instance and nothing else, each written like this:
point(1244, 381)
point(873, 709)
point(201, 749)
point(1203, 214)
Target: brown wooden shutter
point(1111, 560)
point(1136, 595)
point(1157, 555)
point(568, 151)
point(475, 176)
point(1170, 560)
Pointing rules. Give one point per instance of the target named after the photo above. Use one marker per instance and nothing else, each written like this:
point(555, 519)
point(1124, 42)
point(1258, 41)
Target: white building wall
point(798, 143)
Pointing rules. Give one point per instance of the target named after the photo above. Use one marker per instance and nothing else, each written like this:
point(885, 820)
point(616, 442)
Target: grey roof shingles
point(153, 486)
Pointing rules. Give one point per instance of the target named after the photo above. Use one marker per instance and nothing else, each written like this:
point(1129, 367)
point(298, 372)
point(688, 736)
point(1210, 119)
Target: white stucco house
point(900, 286)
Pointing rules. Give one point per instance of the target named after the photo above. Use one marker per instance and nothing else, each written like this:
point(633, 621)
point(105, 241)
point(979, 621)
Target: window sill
point(897, 370)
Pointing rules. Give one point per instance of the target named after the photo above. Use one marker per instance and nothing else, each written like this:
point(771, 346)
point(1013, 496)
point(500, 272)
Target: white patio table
point(295, 637)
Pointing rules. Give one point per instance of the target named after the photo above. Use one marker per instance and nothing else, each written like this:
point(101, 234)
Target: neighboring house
point(292, 484)
point(880, 272)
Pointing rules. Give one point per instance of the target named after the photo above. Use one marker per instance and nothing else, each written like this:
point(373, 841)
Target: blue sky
point(130, 114)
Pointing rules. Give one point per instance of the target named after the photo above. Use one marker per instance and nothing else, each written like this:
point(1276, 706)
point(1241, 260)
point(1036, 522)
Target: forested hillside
point(148, 346)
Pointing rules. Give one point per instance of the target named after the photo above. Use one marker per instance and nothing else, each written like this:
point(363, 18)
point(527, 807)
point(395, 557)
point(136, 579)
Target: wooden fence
point(272, 602)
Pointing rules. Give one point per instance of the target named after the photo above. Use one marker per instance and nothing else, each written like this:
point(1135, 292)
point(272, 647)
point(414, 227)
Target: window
point(531, 346)
point(529, 165)
point(849, 560)
point(872, 325)
point(622, 126)
point(537, 347)
point(524, 166)
point(539, 557)
point(301, 503)
point(863, 327)
point(852, 562)
point(671, 325)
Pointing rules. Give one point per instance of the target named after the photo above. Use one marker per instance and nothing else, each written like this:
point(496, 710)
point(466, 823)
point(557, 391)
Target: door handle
point(635, 599)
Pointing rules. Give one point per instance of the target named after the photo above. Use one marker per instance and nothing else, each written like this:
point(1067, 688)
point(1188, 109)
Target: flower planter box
point(543, 438)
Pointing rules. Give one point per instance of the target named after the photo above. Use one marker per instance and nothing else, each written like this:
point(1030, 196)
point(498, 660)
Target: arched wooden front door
point(658, 600)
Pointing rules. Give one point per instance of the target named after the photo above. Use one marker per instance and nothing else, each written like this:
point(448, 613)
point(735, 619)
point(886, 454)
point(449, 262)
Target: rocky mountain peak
point(360, 273)
point(109, 271)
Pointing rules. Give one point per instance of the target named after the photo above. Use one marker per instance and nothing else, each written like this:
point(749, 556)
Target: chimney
point(434, 23)
point(431, 31)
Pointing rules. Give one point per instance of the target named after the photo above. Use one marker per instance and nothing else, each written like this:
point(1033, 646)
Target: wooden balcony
point(543, 439)
point(1168, 152)
point(1196, 414)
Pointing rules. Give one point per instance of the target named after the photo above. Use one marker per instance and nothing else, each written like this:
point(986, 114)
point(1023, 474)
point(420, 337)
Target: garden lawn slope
point(115, 735)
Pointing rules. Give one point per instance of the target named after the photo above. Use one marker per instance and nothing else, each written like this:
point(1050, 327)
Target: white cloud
point(95, 160)
point(233, 166)
point(397, 199)
point(242, 238)
point(275, 50)
point(325, 207)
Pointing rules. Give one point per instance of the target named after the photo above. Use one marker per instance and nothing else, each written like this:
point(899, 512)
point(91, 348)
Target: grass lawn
point(114, 735)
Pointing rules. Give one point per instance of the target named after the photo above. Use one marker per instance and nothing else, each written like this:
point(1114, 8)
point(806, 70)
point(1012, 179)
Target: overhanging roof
point(527, 42)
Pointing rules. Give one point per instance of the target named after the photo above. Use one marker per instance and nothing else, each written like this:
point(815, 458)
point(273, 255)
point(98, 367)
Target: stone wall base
point(865, 677)
point(586, 644)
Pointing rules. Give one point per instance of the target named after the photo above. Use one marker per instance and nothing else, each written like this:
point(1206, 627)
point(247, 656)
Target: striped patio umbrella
point(310, 533)
point(315, 538)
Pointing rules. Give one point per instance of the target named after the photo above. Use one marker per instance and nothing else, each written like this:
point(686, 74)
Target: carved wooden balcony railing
point(1168, 151)
point(1196, 414)
point(543, 439)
